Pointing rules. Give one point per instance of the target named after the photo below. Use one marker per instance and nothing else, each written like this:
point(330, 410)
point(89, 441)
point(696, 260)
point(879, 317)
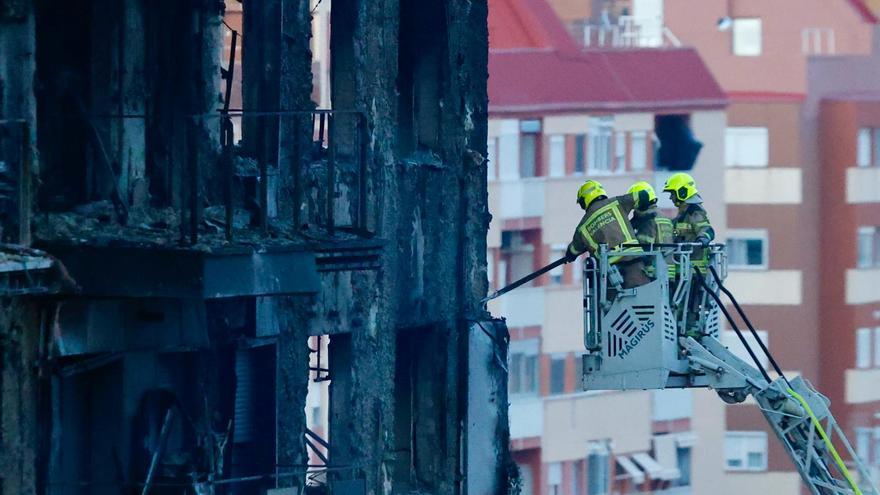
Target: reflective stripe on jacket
point(692, 224)
point(652, 228)
point(606, 222)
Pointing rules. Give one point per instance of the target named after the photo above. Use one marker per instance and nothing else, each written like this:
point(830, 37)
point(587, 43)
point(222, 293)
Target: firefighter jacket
point(606, 221)
point(652, 228)
point(691, 225)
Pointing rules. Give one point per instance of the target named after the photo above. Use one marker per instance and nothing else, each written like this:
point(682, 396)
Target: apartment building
point(797, 139)
point(778, 195)
point(842, 108)
point(560, 115)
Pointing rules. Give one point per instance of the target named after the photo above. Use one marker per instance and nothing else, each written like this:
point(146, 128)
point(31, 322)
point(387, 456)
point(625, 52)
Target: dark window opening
point(530, 148)
point(62, 84)
point(678, 147)
point(580, 143)
point(421, 68)
point(106, 130)
point(518, 253)
point(523, 375)
point(683, 454)
point(557, 375)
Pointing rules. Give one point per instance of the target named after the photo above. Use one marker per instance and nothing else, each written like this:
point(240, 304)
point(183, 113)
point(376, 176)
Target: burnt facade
point(203, 250)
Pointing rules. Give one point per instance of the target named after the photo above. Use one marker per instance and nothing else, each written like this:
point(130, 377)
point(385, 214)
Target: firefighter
point(692, 222)
point(651, 227)
point(691, 225)
point(605, 221)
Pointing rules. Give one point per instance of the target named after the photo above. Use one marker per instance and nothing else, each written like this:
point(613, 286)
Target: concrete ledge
point(763, 185)
point(766, 287)
point(147, 272)
point(861, 386)
point(861, 185)
point(862, 286)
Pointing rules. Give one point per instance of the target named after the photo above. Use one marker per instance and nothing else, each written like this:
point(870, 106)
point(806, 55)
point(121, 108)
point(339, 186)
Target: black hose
point(754, 332)
point(528, 278)
point(733, 324)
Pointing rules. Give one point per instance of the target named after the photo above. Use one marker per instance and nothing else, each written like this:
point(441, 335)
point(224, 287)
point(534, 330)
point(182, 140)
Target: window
point(599, 148)
point(554, 478)
point(877, 347)
point(864, 437)
point(746, 146)
point(863, 147)
point(557, 251)
point(557, 374)
point(523, 367)
point(868, 147)
point(867, 445)
point(528, 147)
point(683, 454)
point(817, 41)
point(745, 450)
point(747, 249)
point(620, 152)
point(491, 159)
point(867, 249)
point(420, 61)
point(875, 455)
point(577, 478)
point(876, 135)
point(638, 145)
point(598, 470)
point(580, 143)
point(863, 348)
point(518, 254)
point(579, 373)
point(676, 147)
point(557, 156)
point(747, 37)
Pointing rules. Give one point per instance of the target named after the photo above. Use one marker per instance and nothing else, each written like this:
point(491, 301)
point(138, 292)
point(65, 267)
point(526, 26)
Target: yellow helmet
point(682, 186)
point(589, 192)
point(643, 193)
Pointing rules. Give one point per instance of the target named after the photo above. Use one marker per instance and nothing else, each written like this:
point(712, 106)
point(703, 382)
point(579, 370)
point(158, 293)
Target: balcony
point(208, 216)
point(523, 307)
point(521, 198)
point(526, 417)
point(629, 32)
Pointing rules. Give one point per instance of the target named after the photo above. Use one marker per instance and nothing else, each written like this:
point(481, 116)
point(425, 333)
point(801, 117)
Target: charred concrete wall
point(19, 395)
point(119, 120)
point(418, 71)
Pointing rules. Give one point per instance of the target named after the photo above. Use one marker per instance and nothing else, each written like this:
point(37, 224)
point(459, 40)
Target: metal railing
point(596, 276)
point(200, 162)
point(328, 143)
point(629, 32)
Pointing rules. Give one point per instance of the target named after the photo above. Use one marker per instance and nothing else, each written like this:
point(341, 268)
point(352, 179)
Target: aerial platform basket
point(632, 336)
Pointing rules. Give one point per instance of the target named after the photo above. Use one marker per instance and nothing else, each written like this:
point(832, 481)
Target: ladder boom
point(798, 414)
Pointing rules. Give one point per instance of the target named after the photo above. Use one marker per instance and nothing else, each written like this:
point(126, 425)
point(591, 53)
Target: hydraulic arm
point(665, 334)
point(798, 414)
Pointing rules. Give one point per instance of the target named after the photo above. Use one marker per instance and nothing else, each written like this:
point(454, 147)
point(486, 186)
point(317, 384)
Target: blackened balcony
point(227, 204)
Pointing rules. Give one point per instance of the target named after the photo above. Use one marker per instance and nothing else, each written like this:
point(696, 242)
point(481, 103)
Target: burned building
point(199, 253)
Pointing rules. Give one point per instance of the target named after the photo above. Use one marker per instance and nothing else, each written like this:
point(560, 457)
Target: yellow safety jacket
point(652, 228)
point(606, 222)
point(691, 225)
